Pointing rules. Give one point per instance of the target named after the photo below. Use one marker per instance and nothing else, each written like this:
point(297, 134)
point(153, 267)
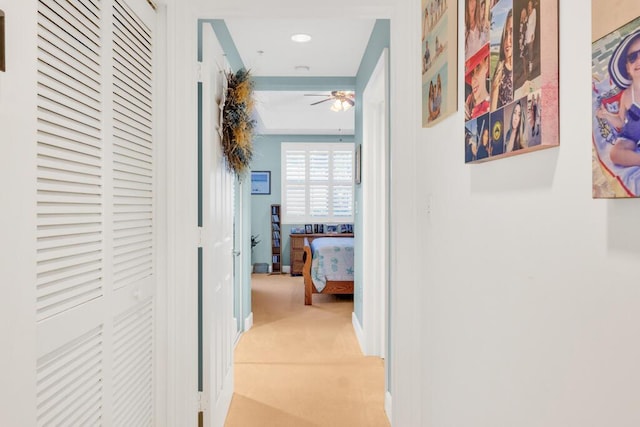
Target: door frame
point(375, 195)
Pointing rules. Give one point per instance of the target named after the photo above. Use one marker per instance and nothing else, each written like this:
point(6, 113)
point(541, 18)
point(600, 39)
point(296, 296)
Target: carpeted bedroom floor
point(301, 366)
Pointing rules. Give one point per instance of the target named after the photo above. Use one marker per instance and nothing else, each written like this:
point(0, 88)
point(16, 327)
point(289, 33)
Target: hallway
point(301, 365)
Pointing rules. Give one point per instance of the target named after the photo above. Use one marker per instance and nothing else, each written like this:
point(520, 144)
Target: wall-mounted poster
point(615, 94)
point(511, 77)
point(439, 60)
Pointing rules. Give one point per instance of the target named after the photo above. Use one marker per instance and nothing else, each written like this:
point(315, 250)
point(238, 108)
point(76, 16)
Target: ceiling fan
point(342, 99)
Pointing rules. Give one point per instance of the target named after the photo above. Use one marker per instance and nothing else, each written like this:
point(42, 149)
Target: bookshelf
point(276, 254)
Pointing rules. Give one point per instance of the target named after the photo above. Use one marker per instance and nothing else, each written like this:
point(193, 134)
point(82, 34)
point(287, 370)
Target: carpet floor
point(301, 366)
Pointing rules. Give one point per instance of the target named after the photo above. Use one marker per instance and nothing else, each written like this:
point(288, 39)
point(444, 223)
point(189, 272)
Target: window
point(317, 182)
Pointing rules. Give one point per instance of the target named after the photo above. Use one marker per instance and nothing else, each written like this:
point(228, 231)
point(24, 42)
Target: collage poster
point(511, 77)
point(615, 95)
point(439, 60)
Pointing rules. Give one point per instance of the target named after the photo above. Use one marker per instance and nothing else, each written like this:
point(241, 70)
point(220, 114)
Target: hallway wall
point(528, 287)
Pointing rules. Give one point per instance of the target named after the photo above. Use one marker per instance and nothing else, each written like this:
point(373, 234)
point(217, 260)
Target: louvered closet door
point(95, 305)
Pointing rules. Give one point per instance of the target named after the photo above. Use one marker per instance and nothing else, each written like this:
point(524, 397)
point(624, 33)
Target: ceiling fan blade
point(350, 101)
point(320, 102)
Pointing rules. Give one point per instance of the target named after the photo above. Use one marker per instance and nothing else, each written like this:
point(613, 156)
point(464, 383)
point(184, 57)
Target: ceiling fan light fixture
point(301, 38)
point(340, 105)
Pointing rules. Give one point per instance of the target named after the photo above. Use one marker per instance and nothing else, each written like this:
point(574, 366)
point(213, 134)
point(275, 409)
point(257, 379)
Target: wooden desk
point(296, 243)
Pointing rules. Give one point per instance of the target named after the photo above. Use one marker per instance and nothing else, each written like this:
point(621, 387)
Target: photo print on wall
point(511, 77)
point(439, 60)
point(615, 94)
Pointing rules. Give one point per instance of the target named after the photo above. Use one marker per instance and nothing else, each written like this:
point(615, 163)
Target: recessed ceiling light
point(301, 38)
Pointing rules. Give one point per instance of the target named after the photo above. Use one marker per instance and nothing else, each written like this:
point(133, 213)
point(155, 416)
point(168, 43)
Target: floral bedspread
point(332, 259)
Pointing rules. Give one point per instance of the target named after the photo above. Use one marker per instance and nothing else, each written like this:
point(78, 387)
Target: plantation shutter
point(95, 307)
point(317, 182)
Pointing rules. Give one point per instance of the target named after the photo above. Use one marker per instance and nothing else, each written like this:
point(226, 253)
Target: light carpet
point(301, 365)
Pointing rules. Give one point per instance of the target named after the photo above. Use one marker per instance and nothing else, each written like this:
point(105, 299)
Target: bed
point(328, 266)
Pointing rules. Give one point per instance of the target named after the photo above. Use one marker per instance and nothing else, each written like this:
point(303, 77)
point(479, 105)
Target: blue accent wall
point(266, 157)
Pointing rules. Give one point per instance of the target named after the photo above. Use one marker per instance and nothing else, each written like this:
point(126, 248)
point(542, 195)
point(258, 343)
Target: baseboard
point(286, 269)
point(358, 330)
point(387, 405)
point(248, 322)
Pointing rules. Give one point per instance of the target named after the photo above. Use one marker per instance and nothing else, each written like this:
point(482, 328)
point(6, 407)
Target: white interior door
point(95, 281)
point(217, 246)
point(238, 270)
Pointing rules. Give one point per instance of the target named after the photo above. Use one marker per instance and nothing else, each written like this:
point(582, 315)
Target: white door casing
point(375, 201)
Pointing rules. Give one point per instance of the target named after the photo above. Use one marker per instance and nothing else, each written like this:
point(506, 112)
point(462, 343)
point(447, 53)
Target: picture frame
point(332, 229)
point(261, 182)
point(297, 230)
point(511, 78)
point(358, 164)
point(615, 37)
point(308, 229)
point(439, 38)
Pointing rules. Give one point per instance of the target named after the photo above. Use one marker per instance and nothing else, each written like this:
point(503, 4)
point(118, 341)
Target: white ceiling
point(335, 50)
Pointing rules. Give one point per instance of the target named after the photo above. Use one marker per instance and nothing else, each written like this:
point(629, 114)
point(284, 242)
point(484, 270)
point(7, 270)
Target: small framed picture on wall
point(260, 182)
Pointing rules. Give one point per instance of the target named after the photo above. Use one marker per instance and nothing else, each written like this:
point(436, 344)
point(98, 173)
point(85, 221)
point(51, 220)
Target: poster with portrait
point(439, 60)
point(511, 77)
point(615, 95)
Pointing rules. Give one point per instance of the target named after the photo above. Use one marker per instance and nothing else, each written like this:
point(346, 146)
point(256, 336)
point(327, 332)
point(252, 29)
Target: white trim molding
point(387, 405)
point(248, 322)
point(358, 330)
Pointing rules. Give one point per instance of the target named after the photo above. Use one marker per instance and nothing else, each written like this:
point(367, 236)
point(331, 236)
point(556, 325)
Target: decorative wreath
point(237, 124)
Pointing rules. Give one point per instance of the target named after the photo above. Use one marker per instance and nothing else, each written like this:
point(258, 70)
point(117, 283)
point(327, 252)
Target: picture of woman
point(502, 83)
point(476, 79)
point(476, 26)
point(515, 137)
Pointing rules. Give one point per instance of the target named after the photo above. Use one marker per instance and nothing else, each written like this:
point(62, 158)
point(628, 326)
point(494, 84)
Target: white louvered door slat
point(133, 241)
point(95, 284)
point(69, 380)
point(133, 365)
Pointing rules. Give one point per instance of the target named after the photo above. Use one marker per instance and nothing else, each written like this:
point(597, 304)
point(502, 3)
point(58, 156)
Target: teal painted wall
point(266, 157)
point(379, 40)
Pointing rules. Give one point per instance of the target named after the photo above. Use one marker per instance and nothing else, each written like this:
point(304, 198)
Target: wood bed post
point(306, 273)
